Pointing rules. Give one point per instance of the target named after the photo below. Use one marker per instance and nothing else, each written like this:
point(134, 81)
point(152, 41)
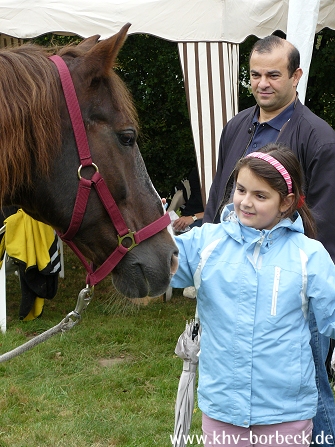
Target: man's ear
point(286, 203)
point(297, 76)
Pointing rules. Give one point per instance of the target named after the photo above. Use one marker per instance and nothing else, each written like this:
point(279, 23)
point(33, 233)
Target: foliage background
point(151, 69)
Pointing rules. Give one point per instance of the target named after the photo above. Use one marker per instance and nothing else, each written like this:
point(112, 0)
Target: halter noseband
point(84, 188)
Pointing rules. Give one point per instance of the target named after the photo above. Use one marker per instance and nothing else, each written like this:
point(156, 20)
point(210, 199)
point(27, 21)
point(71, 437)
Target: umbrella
point(187, 349)
point(331, 370)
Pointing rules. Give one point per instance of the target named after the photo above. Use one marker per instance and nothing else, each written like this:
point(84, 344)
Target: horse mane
point(29, 126)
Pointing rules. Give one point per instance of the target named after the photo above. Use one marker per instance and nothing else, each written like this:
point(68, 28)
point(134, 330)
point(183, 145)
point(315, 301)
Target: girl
point(256, 274)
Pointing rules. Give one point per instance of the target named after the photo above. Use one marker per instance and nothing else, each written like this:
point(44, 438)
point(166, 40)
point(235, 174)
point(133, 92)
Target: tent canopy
point(179, 20)
point(208, 33)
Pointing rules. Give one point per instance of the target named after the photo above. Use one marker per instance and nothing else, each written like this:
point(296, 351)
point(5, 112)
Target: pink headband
point(275, 163)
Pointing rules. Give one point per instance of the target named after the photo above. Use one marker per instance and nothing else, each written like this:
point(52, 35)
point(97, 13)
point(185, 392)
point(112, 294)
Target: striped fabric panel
point(210, 72)
point(8, 41)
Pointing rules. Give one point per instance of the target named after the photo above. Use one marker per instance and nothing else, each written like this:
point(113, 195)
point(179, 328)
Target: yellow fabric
point(27, 240)
point(36, 310)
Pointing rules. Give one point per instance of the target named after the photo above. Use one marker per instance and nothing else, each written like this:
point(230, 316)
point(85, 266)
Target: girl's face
point(256, 204)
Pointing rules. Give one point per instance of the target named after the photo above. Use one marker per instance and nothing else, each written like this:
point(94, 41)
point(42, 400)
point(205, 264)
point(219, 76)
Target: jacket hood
point(241, 233)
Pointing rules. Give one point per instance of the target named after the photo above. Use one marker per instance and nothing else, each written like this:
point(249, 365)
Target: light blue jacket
point(254, 288)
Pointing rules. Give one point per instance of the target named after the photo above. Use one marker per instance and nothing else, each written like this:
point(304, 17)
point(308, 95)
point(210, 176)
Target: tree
point(320, 95)
point(55, 40)
point(245, 97)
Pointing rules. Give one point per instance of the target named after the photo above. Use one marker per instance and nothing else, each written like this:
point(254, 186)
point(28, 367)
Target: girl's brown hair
point(267, 172)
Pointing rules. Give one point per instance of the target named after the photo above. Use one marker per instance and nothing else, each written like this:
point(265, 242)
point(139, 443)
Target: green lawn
point(110, 381)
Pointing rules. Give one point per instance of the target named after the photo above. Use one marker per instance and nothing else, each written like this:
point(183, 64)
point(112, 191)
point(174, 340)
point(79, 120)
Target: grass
point(110, 381)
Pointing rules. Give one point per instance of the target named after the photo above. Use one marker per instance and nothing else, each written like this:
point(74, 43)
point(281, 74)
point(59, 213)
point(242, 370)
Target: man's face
point(271, 85)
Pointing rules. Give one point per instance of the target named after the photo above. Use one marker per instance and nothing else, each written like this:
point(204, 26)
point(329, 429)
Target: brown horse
point(39, 157)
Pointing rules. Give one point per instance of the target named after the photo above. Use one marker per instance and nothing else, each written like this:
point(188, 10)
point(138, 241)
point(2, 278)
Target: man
point(280, 116)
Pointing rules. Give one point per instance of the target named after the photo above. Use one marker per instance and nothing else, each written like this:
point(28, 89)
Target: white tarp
point(301, 30)
point(207, 31)
point(178, 20)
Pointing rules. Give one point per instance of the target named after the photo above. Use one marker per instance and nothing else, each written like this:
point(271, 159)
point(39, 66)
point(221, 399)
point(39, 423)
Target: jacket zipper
point(275, 291)
point(257, 250)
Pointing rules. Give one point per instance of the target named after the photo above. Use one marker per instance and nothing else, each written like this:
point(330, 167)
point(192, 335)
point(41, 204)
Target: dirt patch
point(107, 363)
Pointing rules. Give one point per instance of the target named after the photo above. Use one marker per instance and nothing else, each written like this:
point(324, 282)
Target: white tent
point(207, 31)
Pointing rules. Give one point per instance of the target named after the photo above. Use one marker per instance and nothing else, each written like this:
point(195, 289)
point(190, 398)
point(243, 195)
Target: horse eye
point(127, 138)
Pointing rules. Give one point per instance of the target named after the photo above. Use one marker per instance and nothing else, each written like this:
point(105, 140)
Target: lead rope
point(71, 319)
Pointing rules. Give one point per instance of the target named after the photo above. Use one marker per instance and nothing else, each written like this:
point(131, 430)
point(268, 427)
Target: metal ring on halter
point(93, 164)
point(131, 236)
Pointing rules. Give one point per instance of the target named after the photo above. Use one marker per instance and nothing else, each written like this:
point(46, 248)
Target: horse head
point(43, 178)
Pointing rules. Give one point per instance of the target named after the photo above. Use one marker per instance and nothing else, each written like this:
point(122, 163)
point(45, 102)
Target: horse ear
point(88, 43)
point(101, 57)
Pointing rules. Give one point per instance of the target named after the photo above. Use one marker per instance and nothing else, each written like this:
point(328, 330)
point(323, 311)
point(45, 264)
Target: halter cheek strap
point(275, 163)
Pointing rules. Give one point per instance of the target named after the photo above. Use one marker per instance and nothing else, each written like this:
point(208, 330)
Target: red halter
point(84, 188)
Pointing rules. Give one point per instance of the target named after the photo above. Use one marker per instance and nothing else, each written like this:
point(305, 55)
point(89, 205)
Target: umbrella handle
point(196, 326)
point(195, 331)
point(196, 315)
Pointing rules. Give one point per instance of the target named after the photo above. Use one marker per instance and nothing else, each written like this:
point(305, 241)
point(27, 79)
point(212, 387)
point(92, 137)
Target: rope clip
point(84, 299)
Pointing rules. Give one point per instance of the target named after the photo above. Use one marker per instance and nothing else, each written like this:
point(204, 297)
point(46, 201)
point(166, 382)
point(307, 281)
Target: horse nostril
point(174, 262)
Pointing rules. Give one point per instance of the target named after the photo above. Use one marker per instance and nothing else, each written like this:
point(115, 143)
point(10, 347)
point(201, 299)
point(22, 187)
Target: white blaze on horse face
point(170, 230)
point(165, 206)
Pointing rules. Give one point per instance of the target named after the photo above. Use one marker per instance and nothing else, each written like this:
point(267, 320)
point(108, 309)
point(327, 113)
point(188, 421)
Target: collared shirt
point(268, 132)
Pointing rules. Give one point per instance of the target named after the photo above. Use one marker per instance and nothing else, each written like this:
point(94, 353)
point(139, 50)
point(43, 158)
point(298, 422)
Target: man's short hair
point(267, 44)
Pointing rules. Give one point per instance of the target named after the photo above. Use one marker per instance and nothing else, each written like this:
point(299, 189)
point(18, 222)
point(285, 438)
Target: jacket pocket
point(294, 376)
point(275, 291)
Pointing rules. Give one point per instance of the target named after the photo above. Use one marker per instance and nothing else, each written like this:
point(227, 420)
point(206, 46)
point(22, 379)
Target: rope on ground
point(64, 325)
point(84, 298)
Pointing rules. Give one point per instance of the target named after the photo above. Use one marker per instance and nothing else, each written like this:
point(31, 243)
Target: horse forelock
point(29, 120)
point(123, 100)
